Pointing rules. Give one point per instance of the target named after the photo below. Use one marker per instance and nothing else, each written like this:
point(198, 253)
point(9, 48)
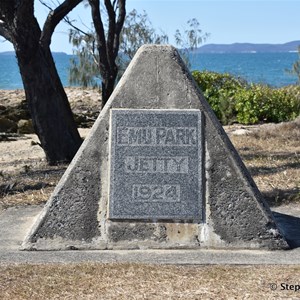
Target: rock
point(241, 131)
point(18, 113)
point(85, 119)
point(25, 126)
point(7, 125)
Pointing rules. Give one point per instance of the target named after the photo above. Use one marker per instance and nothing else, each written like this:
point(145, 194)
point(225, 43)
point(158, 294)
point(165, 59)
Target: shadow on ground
point(290, 227)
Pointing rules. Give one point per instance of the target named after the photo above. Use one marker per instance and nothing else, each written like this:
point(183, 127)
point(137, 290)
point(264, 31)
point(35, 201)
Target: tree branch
point(121, 15)
point(69, 22)
point(66, 19)
point(119, 26)
point(54, 17)
point(111, 32)
point(5, 33)
point(100, 35)
point(6, 17)
point(46, 5)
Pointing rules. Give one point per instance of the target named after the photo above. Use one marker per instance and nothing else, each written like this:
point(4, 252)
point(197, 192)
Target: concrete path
point(16, 222)
point(14, 225)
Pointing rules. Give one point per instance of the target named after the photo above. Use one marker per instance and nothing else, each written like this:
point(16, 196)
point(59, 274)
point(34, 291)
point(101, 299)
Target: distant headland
point(249, 48)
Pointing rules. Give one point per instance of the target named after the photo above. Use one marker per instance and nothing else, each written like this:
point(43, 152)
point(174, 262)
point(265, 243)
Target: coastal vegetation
point(137, 31)
point(84, 67)
point(234, 100)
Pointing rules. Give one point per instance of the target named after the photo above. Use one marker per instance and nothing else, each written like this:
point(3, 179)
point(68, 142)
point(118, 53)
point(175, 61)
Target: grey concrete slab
point(176, 257)
point(15, 222)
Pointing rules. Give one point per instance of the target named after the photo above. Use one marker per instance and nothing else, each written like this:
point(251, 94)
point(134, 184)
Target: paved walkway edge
point(176, 257)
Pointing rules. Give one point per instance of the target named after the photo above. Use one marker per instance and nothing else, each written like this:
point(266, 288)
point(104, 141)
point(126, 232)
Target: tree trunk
point(108, 85)
point(108, 44)
point(48, 104)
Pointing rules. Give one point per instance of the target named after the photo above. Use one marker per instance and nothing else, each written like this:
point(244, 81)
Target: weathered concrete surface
point(236, 216)
point(15, 222)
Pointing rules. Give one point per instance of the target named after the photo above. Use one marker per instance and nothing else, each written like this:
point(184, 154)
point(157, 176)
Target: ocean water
point(267, 68)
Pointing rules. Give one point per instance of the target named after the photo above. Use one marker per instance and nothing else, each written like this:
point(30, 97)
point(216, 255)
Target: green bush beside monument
point(235, 100)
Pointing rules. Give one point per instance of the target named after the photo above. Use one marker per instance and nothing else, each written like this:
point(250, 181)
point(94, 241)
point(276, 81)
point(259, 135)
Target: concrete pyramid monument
point(157, 171)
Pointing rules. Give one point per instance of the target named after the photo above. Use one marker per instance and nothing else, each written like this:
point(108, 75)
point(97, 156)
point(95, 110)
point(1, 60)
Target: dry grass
point(136, 281)
point(31, 186)
point(272, 155)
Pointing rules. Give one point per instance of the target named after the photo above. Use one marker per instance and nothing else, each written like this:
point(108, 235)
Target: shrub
point(261, 103)
point(232, 99)
point(219, 90)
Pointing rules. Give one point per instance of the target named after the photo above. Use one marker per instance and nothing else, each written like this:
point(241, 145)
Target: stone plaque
point(156, 165)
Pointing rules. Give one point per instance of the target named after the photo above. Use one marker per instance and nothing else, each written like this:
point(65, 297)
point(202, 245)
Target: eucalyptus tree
point(190, 39)
point(86, 69)
point(47, 101)
point(108, 43)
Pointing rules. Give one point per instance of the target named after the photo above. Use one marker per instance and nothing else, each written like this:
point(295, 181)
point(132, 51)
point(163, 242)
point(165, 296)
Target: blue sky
point(265, 21)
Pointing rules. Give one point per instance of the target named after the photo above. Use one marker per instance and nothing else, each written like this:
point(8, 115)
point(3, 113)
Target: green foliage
point(261, 103)
point(233, 100)
point(137, 31)
point(84, 67)
point(220, 89)
point(190, 39)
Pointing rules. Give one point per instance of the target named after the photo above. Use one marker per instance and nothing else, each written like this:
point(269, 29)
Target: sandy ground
point(23, 152)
